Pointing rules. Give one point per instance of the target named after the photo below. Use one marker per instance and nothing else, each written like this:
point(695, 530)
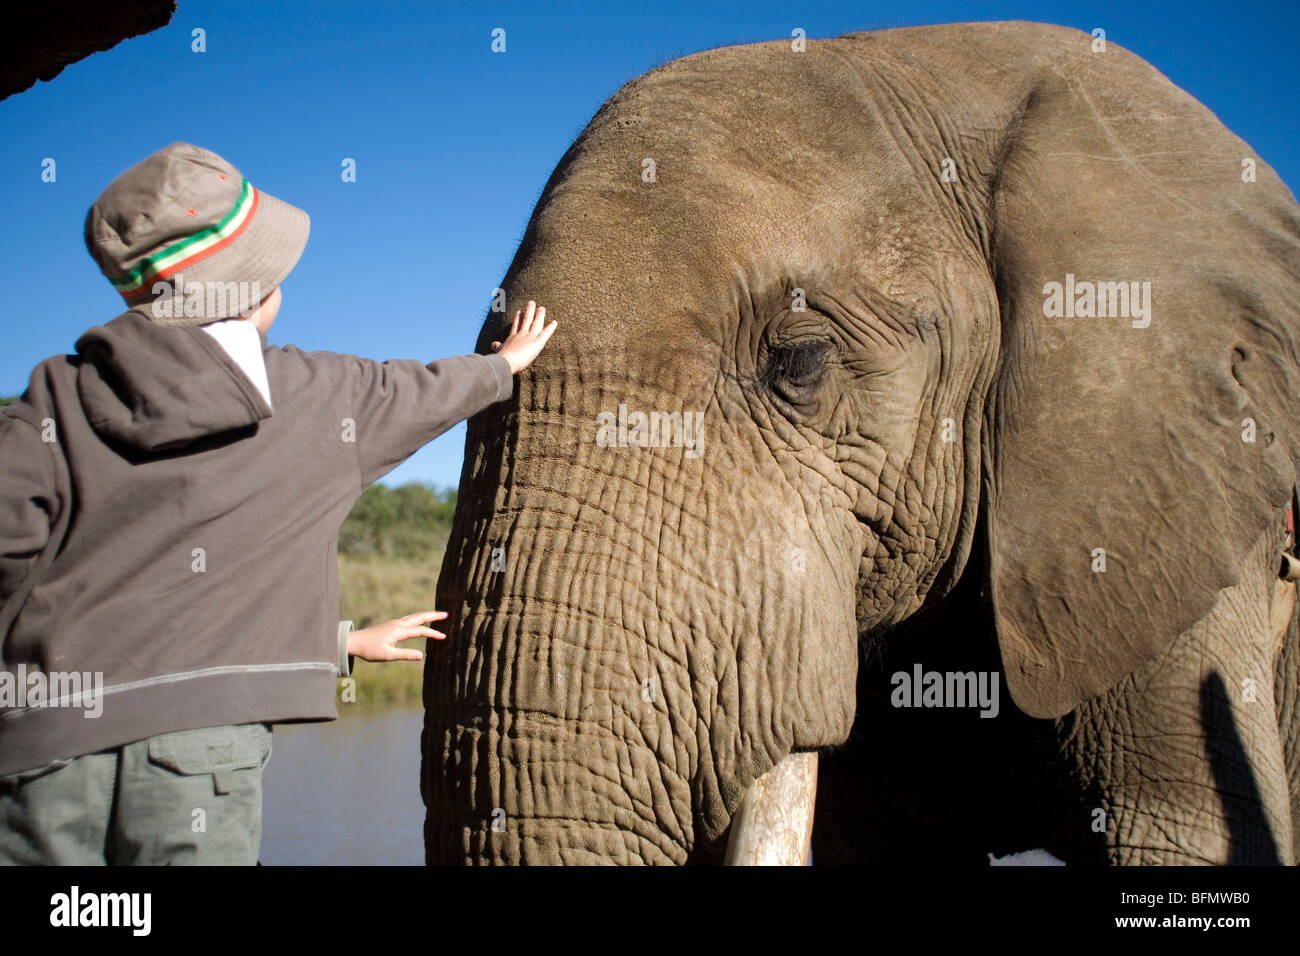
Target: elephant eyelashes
point(795, 371)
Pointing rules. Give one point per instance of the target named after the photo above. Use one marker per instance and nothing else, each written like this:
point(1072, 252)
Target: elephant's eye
point(796, 369)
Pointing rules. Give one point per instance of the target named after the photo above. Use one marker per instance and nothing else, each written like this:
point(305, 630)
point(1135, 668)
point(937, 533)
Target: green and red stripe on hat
point(185, 252)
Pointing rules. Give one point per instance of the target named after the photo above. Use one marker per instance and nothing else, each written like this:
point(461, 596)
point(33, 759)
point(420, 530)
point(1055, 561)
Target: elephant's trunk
point(540, 745)
point(556, 710)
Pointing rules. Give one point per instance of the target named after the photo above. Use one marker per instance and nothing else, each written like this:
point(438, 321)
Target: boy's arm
point(392, 409)
point(402, 405)
point(29, 500)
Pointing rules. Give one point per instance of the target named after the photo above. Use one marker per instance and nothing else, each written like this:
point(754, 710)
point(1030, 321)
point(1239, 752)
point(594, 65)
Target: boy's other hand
point(528, 333)
point(378, 641)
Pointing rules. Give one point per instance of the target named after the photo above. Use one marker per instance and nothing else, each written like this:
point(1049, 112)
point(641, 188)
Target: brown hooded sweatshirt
point(161, 527)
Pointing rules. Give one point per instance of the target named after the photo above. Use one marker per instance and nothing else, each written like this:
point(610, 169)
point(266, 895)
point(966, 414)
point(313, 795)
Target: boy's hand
point(378, 641)
point(526, 338)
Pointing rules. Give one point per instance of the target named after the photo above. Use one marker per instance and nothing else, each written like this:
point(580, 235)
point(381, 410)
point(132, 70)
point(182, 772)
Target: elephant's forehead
point(806, 118)
point(712, 187)
point(729, 253)
point(748, 152)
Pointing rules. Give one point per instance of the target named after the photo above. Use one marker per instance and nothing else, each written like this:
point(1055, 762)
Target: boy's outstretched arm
point(394, 408)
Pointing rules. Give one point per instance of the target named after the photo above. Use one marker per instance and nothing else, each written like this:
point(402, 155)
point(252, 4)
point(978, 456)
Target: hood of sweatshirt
point(159, 387)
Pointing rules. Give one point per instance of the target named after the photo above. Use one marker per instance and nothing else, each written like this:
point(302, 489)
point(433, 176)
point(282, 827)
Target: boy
point(170, 499)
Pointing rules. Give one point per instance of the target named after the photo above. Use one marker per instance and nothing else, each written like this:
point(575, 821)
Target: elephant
point(965, 349)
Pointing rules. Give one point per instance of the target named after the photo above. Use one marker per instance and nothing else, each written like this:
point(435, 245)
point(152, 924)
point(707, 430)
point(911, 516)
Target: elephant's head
point(823, 278)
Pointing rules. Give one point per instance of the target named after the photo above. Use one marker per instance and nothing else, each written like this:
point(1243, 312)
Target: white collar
point(243, 343)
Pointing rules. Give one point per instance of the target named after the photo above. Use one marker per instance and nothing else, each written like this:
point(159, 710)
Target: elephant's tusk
point(773, 824)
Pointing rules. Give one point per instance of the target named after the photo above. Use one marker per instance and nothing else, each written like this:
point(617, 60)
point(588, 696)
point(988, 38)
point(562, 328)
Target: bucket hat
point(185, 239)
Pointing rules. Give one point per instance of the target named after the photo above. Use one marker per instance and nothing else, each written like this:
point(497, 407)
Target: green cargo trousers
point(190, 797)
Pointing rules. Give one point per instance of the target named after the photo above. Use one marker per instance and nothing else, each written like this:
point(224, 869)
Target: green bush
point(411, 521)
point(6, 401)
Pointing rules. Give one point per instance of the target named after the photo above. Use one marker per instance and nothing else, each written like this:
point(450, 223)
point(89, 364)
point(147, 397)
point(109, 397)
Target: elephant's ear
point(1129, 467)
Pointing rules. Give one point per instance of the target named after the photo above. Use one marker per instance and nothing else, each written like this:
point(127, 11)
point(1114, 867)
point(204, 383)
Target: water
point(346, 791)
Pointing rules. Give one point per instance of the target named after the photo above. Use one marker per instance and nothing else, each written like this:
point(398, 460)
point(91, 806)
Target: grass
point(390, 550)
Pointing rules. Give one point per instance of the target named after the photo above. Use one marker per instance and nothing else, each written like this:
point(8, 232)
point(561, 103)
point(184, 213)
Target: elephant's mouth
point(773, 824)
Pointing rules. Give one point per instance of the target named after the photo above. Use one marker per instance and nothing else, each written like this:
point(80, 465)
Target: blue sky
point(454, 143)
